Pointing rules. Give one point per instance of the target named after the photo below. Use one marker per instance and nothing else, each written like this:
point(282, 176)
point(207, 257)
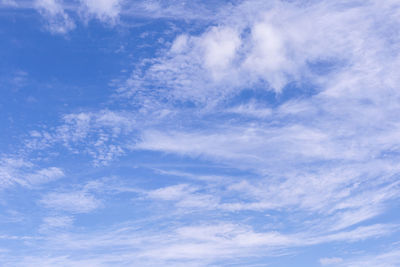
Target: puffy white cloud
point(268, 56)
point(220, 47)
point(272, 45)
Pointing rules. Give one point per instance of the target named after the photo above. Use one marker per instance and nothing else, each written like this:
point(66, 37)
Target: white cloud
point(93, 133)
point(219, 241)
point(104, 10)
point(63, 16)
point(57, 222)
point(322, 151)
point(387, 258)
point(58, 21)
point(330, 261)
point(249, 145)
point(12, 3)
point(268, 55)
point(9, 170)
point(330, 154)
point(74, 202)
point(357, 234)
point(190, 245)
point(45, 175)
point(15, 170)
point(273, 43)
point(185, 196)
point(171, 192)
point(252, 109)
point(220, 47)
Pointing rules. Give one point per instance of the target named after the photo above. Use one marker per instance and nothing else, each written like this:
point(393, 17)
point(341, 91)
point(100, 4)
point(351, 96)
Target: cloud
point(45, 175)
point(330, 261)
point(186, 245)
point(57, 222)
point(15, 170)
point(11, 3)
point(58, 21)
point(104, 10)
point(185, 196)
point(9, 169)
point(357, 234)
point(92, 133)
point(74, 202)
point(64, 16)
point(298, 100)
point(271, 46)
point(386, 258)
point(61, 15)
point(319, 150)
point(220, 47)
point(171, 192)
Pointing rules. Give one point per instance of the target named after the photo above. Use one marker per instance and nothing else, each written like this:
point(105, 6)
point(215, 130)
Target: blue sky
point(199, 133)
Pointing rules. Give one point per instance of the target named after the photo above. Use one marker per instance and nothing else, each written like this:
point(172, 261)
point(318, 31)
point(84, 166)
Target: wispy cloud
point(58, 21)
point(74, 202)
point(389, 258)
point(104, 10)
point(330, 261)
point(56, 222)
point(15, 170)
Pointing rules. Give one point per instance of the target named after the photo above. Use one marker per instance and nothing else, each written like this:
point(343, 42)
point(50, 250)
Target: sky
point(200, 133)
